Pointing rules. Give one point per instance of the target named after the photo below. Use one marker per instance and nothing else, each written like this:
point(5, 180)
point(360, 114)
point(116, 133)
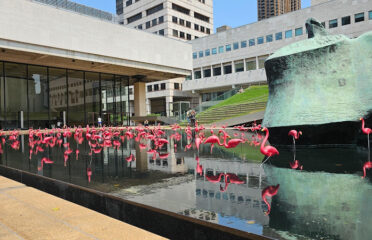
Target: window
point(182, 35)
point(269, 38)
point(239, 66)
point(180, 9)
point(298, 31)
point(149, 88)
point(155, 9)
point(207, 72)
point(227, 68)
point(220, 49)
point(359, 17)
point(202, 28)
point(217, 70)
point(214, 51)
point(333, 23)
point(279, 36)
point(176, 86)
point(252, 42)
point(200, 54)
point(174, 19)
point(196, 26)
point(156, 87)
point(345, 20)
point(188, 77)
point(175, 33)
point(243, 44)
point(148, 24)
point(162, 86)
point(250, 64)
point(119, 7)
point(155, 22)
point(228, 48)
point(197, 74)
point(207, 52)
point(201, 17)
point(139, 26)
point(194, 55)
point(134, 18)
point(161, 32)
point(182, 22)
point(236, 45)
point(128, 3)
point(161, 19)
point(208, 31)
point(188, 24)
point(261, 62)
point(188, 36)
point(370, 15)
point(260, 40)
point(288, 34)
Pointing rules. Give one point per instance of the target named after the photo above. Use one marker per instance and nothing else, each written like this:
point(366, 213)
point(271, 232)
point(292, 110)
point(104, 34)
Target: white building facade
point(236, 57)
point(183, 20)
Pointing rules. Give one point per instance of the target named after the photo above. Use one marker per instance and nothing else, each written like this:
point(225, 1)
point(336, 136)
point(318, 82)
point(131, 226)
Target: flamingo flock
point(153, 139)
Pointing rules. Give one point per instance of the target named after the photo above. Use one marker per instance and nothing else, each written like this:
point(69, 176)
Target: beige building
point(271, 8)
point(178, 19)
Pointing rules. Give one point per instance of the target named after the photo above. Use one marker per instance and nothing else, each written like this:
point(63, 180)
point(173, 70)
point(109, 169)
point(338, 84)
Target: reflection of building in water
point(172, 164)
point(201, 214)
point(322, 204)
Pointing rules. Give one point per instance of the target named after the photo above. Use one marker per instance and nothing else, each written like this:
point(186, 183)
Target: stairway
point(230, 111)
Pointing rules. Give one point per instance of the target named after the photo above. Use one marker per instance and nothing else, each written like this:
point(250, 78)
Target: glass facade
point(370, 15)
point(48, 97)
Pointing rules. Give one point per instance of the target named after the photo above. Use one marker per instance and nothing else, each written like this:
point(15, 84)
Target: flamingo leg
point(264, 161)
point(369, 150)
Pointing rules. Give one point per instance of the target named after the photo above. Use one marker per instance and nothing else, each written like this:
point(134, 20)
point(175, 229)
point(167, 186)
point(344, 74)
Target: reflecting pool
point(327, 199)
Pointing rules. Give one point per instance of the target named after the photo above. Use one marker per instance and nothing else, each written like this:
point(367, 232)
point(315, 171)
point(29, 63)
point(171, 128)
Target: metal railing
point(79, 8)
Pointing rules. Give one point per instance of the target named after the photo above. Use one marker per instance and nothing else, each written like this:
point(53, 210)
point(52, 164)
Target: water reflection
point(327, 198)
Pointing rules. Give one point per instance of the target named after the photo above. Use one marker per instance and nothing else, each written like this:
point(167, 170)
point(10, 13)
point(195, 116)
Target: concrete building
point(271, 8)
point(235, 57)
point(178, 19)
point(315, 2)
point(56, 65)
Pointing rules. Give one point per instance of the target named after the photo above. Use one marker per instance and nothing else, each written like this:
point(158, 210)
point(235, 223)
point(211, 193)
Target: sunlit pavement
point(27, 213)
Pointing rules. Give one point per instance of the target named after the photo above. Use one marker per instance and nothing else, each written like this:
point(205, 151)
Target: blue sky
point(226, 12)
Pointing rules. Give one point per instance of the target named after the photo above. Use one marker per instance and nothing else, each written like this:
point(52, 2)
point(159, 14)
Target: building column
point(139, 99)
point(148, 106)
point(141, 158)
point(257, 67)
point(169, 106)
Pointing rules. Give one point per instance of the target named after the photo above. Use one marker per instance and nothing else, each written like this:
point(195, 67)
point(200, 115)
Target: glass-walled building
point(43, 96)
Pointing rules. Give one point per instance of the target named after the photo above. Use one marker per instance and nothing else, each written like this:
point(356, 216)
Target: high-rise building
point(180, 19)
point(270, 8)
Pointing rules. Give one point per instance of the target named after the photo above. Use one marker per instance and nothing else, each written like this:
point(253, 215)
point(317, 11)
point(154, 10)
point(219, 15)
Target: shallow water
point(328, 199)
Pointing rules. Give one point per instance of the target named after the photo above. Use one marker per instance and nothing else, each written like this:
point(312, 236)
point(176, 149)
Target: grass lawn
point(249, 95)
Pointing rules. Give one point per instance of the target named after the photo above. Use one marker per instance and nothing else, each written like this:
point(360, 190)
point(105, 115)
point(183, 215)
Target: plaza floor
point(27, 213)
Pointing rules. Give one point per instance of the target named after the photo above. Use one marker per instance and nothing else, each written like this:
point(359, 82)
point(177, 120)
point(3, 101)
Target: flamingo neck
point(363, 124)
point(265, 139)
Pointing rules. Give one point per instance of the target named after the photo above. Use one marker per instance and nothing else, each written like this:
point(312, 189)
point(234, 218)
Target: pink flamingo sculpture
point(46, 161)
point(268, 151)
point(295, 135)
point(269, 191)
point(367, 165)
point(366, 131)
point(295, 165)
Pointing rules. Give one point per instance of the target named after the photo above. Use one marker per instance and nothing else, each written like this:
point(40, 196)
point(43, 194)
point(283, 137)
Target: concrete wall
point(70, 35)
point(167, 12)
point(282, 23)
